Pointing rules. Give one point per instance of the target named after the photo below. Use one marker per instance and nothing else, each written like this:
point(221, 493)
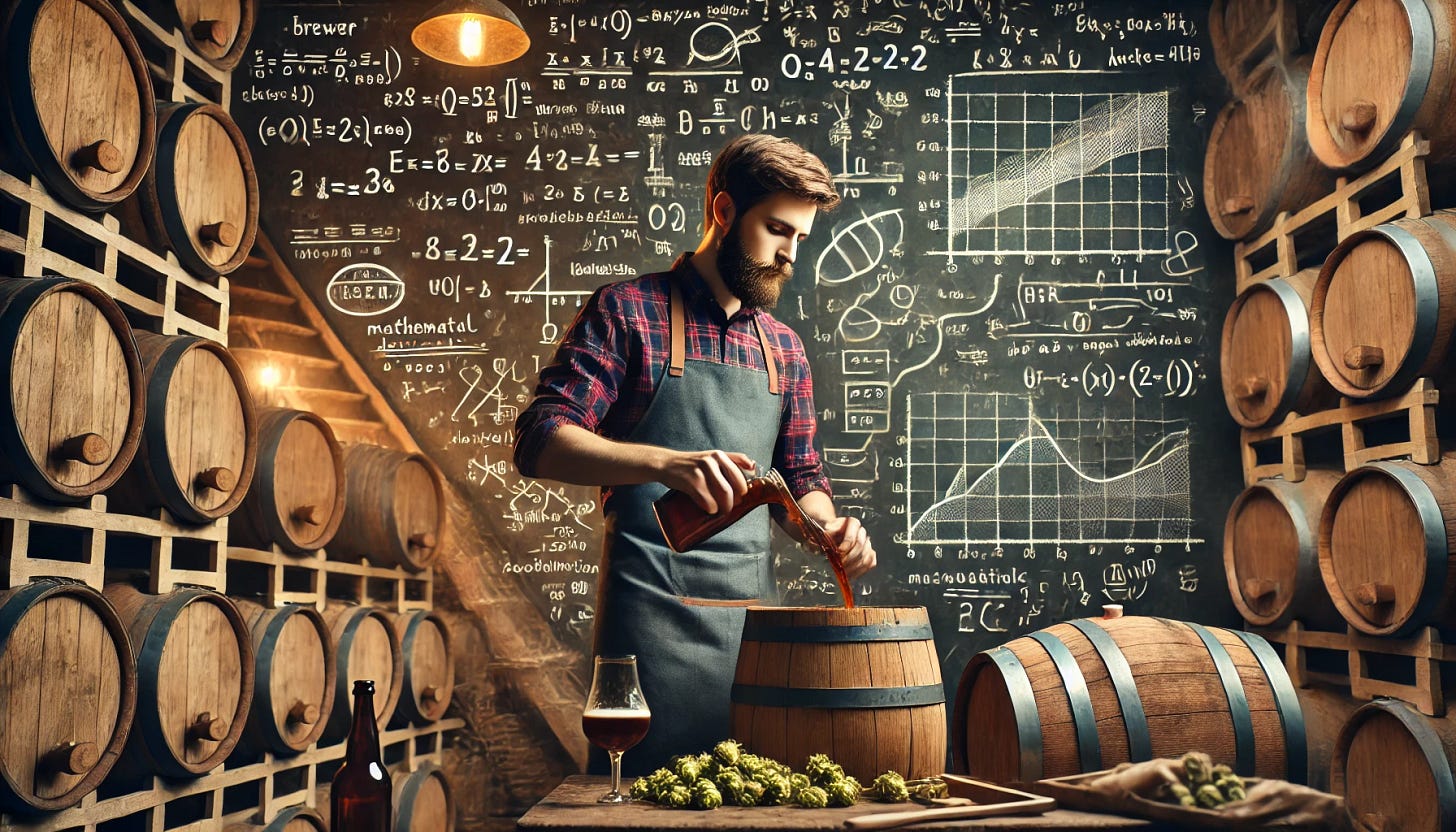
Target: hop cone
point(813, 797)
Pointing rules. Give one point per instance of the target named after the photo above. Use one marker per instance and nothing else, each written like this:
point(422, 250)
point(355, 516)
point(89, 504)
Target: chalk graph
point(993, 468)
point(1053, 172)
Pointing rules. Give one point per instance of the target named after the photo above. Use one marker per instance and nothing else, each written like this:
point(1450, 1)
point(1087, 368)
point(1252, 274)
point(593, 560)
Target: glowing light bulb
point(269, 376)
point(472, 38)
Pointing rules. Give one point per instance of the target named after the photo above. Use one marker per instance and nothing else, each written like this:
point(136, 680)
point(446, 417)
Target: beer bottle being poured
point(362, 796)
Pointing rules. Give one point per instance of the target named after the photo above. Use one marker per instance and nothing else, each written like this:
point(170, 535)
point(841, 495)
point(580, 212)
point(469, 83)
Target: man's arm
point(853, 539)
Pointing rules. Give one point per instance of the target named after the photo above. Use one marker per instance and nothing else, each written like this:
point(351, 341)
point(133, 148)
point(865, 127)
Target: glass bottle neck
point(364, 736)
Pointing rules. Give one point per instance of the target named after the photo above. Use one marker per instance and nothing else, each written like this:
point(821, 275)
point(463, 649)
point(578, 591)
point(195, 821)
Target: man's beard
point(756, 284)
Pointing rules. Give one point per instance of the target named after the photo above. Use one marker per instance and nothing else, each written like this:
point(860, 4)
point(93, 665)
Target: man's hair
point(755, 166)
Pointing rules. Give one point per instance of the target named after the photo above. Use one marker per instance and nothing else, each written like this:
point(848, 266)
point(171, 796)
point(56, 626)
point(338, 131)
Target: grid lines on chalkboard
point(1002, 469)
point(1054, 172)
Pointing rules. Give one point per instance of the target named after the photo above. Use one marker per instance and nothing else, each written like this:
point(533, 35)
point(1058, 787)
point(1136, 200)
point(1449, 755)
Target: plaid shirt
point(607, 366)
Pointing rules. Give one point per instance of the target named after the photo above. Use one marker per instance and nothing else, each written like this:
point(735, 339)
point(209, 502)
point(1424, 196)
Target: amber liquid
point(615, 729)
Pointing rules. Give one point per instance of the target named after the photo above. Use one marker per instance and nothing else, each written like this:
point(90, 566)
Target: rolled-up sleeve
point(795, 455)
point(580, 384)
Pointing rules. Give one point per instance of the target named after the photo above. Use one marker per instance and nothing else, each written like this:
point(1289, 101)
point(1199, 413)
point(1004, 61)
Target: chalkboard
point(1012, 320)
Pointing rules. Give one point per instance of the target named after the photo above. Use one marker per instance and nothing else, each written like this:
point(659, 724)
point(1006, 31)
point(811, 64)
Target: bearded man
point(683, 380)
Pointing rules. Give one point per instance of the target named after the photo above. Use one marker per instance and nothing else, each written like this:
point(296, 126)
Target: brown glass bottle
point(362, 794)
point(685, 525)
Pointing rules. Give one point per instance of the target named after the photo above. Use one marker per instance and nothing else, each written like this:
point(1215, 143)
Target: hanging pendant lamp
point(471, 33)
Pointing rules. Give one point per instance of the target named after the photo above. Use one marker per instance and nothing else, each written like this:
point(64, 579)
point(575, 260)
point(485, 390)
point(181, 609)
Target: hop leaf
point(705, 795)
point(813, 797)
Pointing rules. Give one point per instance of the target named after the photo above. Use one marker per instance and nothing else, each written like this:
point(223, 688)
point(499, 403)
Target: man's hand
point(716, 480)
point(854, 545)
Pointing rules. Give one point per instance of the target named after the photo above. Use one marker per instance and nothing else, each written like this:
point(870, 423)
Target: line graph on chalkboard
point(1035, 169)
point(999, 469)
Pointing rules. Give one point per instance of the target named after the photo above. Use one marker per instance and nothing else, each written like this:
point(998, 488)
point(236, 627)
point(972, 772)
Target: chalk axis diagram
point(1054, 172)
point(989, 469)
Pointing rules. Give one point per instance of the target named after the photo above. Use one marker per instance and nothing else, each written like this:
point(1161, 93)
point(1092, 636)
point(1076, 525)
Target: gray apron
point(681, 614)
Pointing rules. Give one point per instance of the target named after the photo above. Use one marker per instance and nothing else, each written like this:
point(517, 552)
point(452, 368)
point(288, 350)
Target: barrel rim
point(1433, 528)
point(1297, 375)
point(158, 450)
point(11, 798)
point(33, 477)
point(1028, 719)
point(156, 629)
point(1423, 36)
point(1435, 755)
point(261, 718)
point(1306, 571)
point(57, 178)
point(409, 791)
point(1427, 310)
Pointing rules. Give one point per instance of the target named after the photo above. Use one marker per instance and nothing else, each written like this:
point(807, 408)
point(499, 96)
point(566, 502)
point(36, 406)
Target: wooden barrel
point(71, 397)
point(864, 682)
point(1385, 546)
point(428, 667)
point(1245, 33)
point(294, 691)
point(394, 513)
point(1384, 307)
point(291, 819)
point(78, 99)
point(218, 30)
point(1394, 768)
point(68, 691)
point(297, 496)
point(1267, 368)
point(365, 647)
point(200, 198)
point(1356, 116)
point(194, 660)
point(1258, 161)
point(1088, 694)
point(423, 801)
point(199, 443)
point(1271, 552)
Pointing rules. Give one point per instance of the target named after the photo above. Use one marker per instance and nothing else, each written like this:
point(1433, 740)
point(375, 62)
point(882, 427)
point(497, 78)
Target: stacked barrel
point(1366, 545)
point(116, 424)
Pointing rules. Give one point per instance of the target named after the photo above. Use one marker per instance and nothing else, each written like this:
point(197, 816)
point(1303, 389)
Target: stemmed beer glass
point(616, 715)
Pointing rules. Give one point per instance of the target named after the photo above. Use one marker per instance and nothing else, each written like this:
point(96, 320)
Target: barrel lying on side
point(291, 819)
point(1384, 307)
point(863, 681)
point(1088, 694)
point(194, 678)
point(68, 692)
point(1361, 105)
point(218, 30)
point(1386, 540)
point(365, 647)
point(78, 99)
point(297, 495)
point(428, 667)
point(1266, 365)
point(394, 514)
point(1271, 552)
point(1258, 161)
point(293, 692)
point(200, 198)
point(199, 445)
point(71, 413)
point(1394, 768)
point(1246, 33)
point(423, 801)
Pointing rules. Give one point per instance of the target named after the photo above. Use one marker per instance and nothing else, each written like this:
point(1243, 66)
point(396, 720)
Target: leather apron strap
point(677, 350)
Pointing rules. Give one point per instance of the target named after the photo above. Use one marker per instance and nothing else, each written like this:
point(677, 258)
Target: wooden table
point(572, 807)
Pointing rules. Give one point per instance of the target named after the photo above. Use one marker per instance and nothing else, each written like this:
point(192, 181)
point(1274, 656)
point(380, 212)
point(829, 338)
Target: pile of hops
point(1204, 785)
point(728, 774)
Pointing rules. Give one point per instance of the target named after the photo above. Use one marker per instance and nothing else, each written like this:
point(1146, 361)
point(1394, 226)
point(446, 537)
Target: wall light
point(471, 33)
point(269, 376)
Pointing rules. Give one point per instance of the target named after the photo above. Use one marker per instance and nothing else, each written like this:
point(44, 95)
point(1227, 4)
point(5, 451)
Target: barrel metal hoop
point(1084, 719)
point(341, 717)
point(263, 716)
point(264, 475)
point(1308, 582)
point(1139, 742)
point(1286, 701)
point(178, 235)
point(1428, 303)
point(1422, 65)
point(909, 696)
point(149, 661)
point(1238, 700)
point(1434, 528)
point(12, 442)
point(18, 604)
point(408, 791)
point(1435, 756)
point(159, 453)
point(406, 650)
point(755, 630)
point(1023, 704)
point(1300, 354)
